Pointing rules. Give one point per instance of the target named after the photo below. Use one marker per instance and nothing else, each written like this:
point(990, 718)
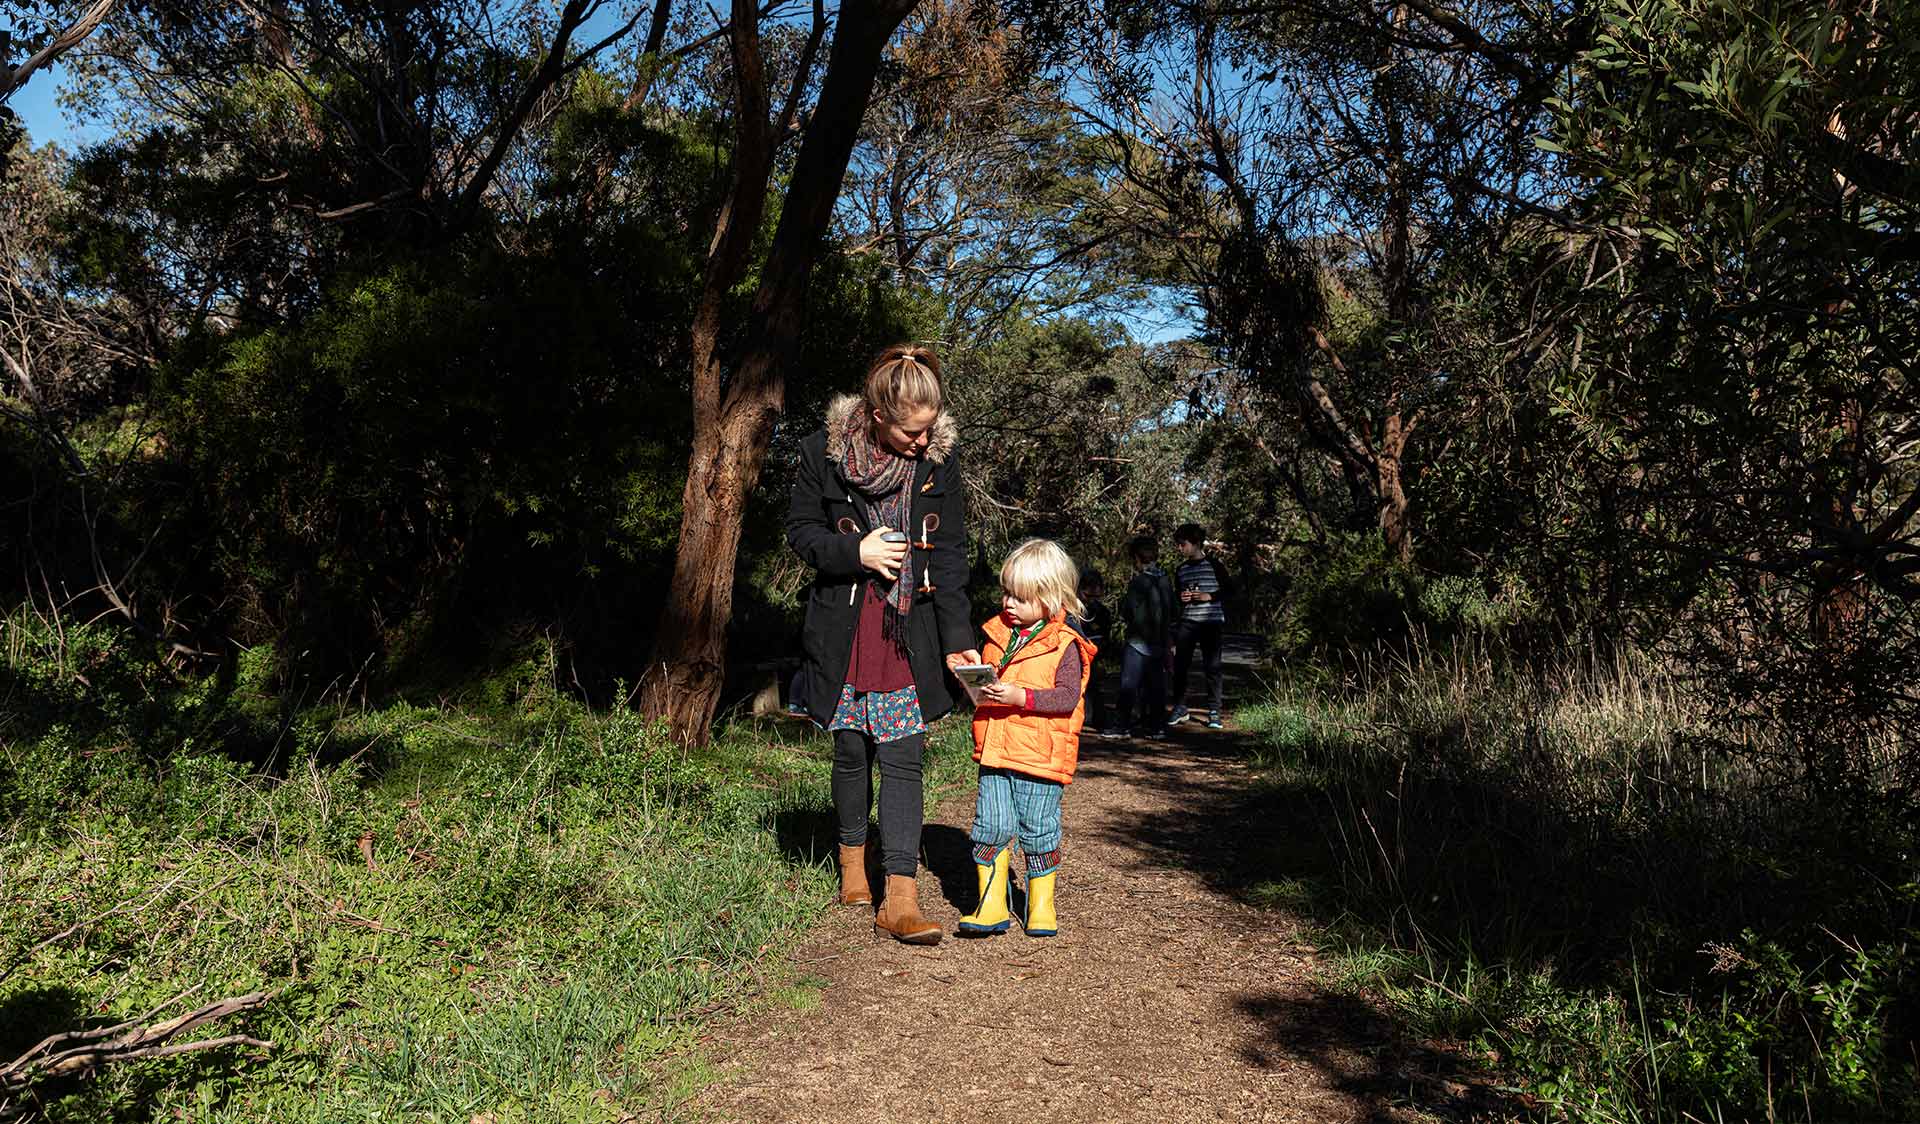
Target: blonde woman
point(1026, 734)
point(878, 511)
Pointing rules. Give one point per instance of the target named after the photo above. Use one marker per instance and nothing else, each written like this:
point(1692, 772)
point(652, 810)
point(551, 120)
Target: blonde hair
point(904, 378)
point(1039, 570)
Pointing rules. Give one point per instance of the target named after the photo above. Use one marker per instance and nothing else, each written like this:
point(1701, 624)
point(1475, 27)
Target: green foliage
point(1075, 432)
point(1744, 365)
point(1538, 861)
point(399, 441)
point(1349, 594)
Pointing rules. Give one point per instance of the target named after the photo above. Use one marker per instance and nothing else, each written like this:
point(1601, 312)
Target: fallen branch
point(81, 1051)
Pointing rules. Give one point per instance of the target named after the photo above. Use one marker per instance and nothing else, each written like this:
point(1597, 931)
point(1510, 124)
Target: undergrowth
point(1544, 867)
point(502, 905)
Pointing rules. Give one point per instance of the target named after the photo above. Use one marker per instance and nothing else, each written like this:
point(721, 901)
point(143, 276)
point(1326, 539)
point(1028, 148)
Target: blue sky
point(44, 120)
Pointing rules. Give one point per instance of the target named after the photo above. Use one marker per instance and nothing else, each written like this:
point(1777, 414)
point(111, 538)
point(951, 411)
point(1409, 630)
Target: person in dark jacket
point(885, 620)
point(1147, 609)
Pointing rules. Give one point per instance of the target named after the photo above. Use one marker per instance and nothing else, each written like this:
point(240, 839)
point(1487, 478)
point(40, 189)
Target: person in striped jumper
point(1204, 587)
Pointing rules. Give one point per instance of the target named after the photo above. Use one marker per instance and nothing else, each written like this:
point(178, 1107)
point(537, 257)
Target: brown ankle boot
point(854, 889)
point(899, 913)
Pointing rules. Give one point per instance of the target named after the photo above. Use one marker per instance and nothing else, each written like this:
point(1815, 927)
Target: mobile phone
point(895, 536)
point(975, 675)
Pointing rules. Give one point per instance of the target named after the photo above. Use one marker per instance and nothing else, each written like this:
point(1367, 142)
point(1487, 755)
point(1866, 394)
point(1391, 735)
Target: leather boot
point(993, 914)
point(899, 915)
point(854, 888)
point(1040, 920)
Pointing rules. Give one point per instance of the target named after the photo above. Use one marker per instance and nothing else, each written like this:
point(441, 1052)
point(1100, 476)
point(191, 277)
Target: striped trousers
point(1014, 805)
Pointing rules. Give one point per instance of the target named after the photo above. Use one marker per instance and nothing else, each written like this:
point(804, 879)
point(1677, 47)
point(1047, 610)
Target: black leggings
point(902, 804)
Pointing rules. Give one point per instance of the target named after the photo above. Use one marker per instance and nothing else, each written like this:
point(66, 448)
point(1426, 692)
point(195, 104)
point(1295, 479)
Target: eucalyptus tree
point(1326, 176)
point(972, 183)
point(44, 30)
point(738, 397)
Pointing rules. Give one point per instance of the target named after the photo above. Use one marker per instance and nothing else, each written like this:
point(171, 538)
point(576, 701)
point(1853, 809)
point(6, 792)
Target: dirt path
point(1164, 998)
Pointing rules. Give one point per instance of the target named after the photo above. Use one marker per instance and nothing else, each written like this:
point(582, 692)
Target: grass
point(1544, 867)
point(518, 912)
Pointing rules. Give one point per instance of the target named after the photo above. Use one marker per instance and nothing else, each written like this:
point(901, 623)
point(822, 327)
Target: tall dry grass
point(1559, 861)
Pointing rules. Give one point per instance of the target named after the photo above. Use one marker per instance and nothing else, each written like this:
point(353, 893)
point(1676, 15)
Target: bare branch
point(81, 1051)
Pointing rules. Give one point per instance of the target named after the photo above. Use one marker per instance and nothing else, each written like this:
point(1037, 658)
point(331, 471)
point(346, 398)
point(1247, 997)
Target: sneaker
point(1214, 723)
point(1178, 716)
point(1110, 733)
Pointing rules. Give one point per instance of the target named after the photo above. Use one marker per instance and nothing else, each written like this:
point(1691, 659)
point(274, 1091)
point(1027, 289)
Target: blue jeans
point(1013, 804)
point(1143, 676)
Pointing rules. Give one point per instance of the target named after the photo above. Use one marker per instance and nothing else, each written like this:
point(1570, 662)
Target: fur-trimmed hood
point(843, 407)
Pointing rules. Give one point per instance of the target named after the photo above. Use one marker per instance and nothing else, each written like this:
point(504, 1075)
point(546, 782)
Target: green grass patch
point(521, 912)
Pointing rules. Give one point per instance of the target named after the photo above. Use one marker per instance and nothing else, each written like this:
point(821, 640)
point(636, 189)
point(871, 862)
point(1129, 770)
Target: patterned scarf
point(884, 480)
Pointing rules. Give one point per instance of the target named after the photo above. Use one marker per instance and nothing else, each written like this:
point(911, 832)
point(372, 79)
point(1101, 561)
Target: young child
point(1026, 734)
point(1204, 587)
point(1095, 623)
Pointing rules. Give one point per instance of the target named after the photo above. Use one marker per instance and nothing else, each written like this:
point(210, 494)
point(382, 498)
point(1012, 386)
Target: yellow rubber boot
point(1040, 920)
point(993, 915)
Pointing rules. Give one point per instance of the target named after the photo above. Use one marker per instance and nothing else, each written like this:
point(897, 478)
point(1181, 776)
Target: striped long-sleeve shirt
point(1207, 576)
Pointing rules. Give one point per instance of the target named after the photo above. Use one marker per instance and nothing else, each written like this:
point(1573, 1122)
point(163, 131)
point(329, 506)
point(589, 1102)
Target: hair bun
point(913, 351)
point(904, 377)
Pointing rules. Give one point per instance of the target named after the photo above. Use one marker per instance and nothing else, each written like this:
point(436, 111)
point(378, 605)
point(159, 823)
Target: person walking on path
point(1026, 735)
point(879, 512)
point(1204, 587)
point(1147, 609)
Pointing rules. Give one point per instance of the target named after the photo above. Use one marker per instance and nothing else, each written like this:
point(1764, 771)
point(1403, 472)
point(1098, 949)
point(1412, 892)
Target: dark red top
point(877, 663)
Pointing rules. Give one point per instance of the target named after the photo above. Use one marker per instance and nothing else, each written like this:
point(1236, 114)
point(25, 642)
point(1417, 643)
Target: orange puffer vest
point(1038, 745)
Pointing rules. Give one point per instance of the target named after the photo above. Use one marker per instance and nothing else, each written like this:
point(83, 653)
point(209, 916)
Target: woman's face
point(906, 436)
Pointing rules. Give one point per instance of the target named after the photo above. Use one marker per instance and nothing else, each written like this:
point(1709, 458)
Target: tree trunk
point(1390, 456)
point(683, 678)
point(1396, 528)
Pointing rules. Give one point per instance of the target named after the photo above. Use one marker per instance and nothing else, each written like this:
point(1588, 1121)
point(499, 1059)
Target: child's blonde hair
point(1039, 570)
point(904, 378)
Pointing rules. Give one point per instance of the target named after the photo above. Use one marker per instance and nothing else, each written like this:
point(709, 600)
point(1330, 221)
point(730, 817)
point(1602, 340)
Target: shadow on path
point(1217, 823)
point(1167, 996)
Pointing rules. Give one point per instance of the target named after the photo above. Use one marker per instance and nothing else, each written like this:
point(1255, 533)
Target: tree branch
point(72, 36)
point(79, 1051)
point(549, 72)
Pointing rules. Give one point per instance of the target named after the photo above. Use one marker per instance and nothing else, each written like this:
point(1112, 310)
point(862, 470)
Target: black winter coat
point(825, 523)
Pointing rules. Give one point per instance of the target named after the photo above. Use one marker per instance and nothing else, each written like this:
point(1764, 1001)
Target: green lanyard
point(1019, 641)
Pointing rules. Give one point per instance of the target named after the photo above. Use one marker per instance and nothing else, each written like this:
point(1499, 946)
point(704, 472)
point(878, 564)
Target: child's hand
point(1004, 693)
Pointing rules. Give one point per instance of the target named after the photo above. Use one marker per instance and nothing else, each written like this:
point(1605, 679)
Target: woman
point(880, 615)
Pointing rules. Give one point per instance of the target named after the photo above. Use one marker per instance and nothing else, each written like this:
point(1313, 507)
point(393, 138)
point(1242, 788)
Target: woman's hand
point(882, 557)
point(1004, 693)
